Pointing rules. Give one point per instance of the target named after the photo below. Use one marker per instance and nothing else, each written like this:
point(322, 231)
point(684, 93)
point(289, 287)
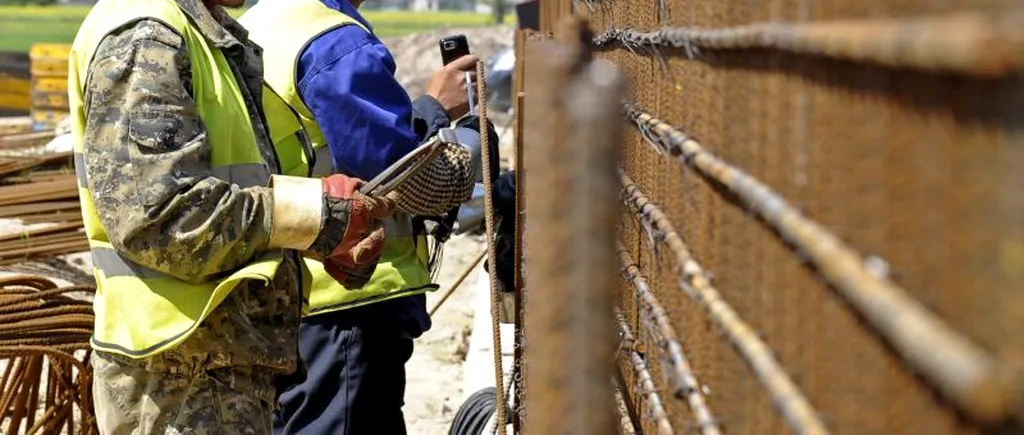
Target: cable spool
point(476, 415)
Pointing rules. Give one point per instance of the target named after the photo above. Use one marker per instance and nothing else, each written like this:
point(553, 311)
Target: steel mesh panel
point(921, 170)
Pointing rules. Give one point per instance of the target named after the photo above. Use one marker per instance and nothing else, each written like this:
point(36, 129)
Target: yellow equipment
point(49, 85)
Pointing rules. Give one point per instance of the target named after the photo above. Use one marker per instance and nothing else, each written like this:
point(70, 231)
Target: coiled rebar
point(45, 376)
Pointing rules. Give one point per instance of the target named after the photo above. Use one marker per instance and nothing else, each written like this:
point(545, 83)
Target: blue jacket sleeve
point(429, 116)
point(346, 78)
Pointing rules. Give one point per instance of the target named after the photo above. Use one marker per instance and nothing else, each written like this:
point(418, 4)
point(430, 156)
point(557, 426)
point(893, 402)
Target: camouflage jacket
point(147, 165)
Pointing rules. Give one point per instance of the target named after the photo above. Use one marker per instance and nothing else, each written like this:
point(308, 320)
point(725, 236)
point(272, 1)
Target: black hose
point(475, 412)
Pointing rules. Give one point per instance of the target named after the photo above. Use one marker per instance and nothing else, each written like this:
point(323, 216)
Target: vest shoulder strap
point(110, 15)
point(284, 28)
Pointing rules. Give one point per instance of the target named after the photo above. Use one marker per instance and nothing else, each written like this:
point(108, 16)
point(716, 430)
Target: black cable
point(475, 412)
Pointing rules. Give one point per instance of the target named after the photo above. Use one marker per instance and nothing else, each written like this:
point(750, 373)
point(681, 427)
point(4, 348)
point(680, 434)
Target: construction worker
point(325, 64)
point(195, 236)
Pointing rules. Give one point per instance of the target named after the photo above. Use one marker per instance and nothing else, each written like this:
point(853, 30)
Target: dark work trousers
point(354, 382)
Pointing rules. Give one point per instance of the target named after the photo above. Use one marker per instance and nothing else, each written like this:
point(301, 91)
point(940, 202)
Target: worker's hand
point(448, 85)
point(352, 235)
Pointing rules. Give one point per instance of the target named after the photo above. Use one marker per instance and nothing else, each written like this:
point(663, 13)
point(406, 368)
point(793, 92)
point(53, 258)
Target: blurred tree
point(499, 11)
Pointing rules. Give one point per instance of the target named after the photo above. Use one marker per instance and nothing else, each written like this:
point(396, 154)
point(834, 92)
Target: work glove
point(349, 232)
point(352, 237)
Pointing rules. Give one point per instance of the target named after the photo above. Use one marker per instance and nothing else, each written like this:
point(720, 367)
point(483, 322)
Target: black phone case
point(453, 47)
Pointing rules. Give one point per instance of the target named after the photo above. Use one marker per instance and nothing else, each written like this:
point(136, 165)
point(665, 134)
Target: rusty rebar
point(786, 396)
point(964, 373)
point(573, 131)
point(681, 371)
point(643, 374)
point(627, 426)
point(687, 385)
point(41, 326)
point(970, 43)
point(492, 252)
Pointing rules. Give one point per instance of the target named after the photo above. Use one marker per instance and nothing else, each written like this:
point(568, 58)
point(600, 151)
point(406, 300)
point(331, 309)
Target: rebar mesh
point(917, 170)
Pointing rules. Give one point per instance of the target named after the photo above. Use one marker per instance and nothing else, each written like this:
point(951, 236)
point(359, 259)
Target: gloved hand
point(351, 237)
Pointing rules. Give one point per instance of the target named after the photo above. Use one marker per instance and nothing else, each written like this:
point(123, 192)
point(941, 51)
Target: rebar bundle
point(45, 375)
point(40, 190)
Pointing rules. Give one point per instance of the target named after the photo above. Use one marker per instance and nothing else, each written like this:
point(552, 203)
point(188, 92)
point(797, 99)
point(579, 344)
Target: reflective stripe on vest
point(141, 312)
point(284, 28)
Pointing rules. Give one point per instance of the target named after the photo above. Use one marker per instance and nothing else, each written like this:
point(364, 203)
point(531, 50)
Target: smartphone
point(453, 47)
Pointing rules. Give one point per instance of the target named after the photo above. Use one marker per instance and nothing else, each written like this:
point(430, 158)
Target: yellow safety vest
point(284, 28)
point(141, 312)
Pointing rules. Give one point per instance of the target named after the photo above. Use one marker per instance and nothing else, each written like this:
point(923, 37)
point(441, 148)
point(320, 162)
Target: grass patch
point(21, 26)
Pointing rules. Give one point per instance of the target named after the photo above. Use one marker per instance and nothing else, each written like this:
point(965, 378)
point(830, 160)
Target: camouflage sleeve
point(147, 163)
point(445, 183)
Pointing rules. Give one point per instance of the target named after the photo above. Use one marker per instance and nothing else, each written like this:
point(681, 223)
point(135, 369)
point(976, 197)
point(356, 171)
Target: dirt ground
point(434, 374)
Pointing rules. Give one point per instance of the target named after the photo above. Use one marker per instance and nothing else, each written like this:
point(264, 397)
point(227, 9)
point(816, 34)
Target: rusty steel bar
point(788, 398)
point(41, 326)
point(10, 165)
point(492, 253)
point(26, 140)
point(967, 375)
point(686, 382)
point(574, 131)
point(643, 374)
point(970, 43)
point(656, 314)
point(517, 268)
point(627, 426)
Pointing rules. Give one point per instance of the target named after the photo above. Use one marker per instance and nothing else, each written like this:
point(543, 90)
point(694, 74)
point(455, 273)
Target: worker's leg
point(354, 383)
point(151, 397)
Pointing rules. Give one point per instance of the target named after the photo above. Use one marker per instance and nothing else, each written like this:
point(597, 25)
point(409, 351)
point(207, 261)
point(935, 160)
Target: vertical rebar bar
point(574, 132)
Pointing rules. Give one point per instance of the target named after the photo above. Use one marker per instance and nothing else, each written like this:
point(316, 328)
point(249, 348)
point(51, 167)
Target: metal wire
point(969, 43)
point(687, 385)
point(643, 373)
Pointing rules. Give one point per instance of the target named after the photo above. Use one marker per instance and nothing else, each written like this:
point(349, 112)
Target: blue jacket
point(346, 78)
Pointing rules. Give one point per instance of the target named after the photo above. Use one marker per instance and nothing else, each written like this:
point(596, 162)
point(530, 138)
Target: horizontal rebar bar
point(788, 399)
point(643, 374)
point(978, 383)
point(687, 385)
point(969, 43)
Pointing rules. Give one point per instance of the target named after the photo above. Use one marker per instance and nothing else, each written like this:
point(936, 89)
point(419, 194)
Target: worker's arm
point(428, 116)
point(148, 167)
point(346, 78)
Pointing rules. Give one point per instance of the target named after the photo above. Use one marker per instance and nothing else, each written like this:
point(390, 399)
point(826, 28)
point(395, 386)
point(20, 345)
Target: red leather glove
point(352, 236)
